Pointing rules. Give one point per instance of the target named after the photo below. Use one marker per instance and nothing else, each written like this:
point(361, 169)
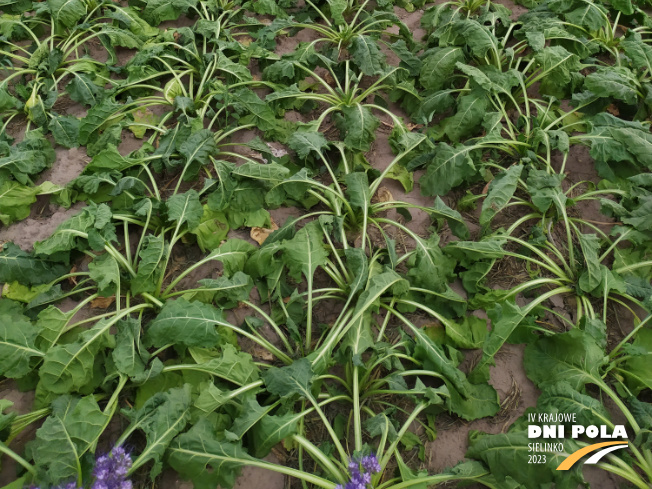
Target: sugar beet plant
point(155, 337)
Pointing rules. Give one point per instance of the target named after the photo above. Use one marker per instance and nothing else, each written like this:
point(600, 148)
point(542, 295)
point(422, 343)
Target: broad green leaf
point(150, 255)
point(357, 190)
point(260, 113)
point(129, 355)
point(232, 365)
point(69, 367)
point(367, 55)
point(358, 124)
point(505, 318)
point(590, 15)
point(70, 431)
point(295, 379)
point(636, 369)
point(271, 430)
point(17, 336)
point(305, 251)
point(196, 150)
point(250, 413)
point(209, 463)
point(438, 66)
point(573, 357)
point(105, 271)
point(429, 268)
point(453, 218)
point(303, 143)
point(51, 324)
point(157, 11)
point(162, 418)
point(18, 265)
point(96, 117)
point(82, 89)
point(67, 13)
point(501, 191)
point(591, 277)
point(562, 398)
point(613, 83)
point(450, 167)
point(469, 401)
point(469, 333)
point(184, 208)
point(225, 291)
point(29, 157)
point(65, 130)
point(185, 323)
point(558, 64)
point(470, 113)
point(271, 172)
point(15, 201)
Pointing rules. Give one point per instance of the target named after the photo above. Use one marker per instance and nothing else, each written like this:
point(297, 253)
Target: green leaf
point(96, 117)
point(225, 291)
point(68, 368)
point(67, 12)
point(592, 276)
point(470, 113)
point(17, 336)
point(129, 355)
point(615, 82)
point(505, 318)
point(29, 157)
point(162, 417)
point(562, 398)
point(151, 253)
point(573, 357)
point(501, 191)
point(65, 130)
point(184, 208)
point(70, 431)
point(429, 268)
point(303, 143)
point(454, 219)
point(197, 150)
point(449, 168)
point(105, 271)
point(185, 323)
point(358, 125)
point(260, 113)
point(15, 201)
point(209, 463)
point(295, 379)
point(232, 365)
point(367, 55)
point(157, 11)
point(271, 430)
point(467, 400)
point(305, 251)
point(18, 265)
point(438, 66)
point(558, 64)
point(636, 369)
point(82, 89)
point(470, 333)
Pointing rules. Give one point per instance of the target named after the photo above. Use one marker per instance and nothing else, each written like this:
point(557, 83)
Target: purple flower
point(111, 470)
point(360, 471)
point(370, 464)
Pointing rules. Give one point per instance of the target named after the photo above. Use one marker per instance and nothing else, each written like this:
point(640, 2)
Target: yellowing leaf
point(259, 235)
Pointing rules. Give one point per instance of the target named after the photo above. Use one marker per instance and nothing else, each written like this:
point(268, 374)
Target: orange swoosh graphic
point(575, 456)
